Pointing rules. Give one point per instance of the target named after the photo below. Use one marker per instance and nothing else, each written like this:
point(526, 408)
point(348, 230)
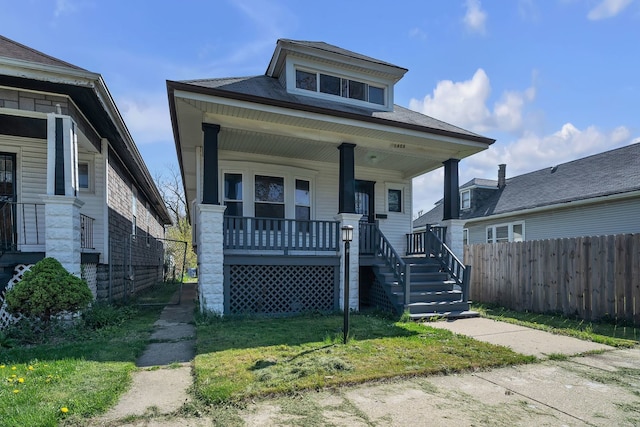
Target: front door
point(365, 201)
point(7, 200)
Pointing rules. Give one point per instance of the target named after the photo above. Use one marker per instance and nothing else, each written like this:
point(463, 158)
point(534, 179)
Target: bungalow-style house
point(275, 165)
point(72, 183)
point(592, 196)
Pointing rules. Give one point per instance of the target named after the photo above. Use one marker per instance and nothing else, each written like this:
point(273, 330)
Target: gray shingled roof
point(340, 51)
point(14, 50)
point(267, 89)
point(612, 172)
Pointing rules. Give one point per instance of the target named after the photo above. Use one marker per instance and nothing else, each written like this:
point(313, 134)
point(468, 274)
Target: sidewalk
point(520, 339)
point(160, 386)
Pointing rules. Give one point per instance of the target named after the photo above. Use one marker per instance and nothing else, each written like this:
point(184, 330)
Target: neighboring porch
point(23, 237)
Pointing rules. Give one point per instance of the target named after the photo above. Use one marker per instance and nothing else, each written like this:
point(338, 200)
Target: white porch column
point(454, 238)
point(354, 261)
point(209, 222)
point(62, 224)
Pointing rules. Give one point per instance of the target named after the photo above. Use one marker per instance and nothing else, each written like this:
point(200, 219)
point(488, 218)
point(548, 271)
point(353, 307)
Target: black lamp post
point(347, 237)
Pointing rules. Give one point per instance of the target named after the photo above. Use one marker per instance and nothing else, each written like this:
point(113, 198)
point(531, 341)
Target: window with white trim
point(233, 194)
point(465, 199)
point(269, 196)
point(465, 236)
point(509, 232)
point(83, 176)
point(329, 84)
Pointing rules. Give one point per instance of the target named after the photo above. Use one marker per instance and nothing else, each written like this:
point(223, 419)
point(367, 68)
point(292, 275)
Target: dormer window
point(339, 86)
point(465, 199)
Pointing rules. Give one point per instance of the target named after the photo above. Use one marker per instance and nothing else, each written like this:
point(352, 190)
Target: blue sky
point(550, 80)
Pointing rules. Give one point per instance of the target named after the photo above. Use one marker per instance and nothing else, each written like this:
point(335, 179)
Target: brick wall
point(136, 263)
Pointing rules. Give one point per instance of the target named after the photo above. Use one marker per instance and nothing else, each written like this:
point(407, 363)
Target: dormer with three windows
point(323, 71)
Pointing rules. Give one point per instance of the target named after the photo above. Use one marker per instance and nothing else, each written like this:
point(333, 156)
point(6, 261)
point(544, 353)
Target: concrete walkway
point(520, 339)
point(161, 385)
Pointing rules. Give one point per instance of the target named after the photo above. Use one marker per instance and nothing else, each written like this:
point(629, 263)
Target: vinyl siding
point(324, 178)
point(615, 217)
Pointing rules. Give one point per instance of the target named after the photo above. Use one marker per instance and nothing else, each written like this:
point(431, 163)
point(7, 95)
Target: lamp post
point(347, 237)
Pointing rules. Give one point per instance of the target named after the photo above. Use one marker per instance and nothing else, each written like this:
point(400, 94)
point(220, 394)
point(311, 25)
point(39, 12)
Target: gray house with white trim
point(591, 196)
point(73, 185)
point(275, 165)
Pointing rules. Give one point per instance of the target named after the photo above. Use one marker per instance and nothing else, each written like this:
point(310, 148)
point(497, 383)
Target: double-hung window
point(465, 199)
point(269, 196)
point(233, 194)
point(511, 232)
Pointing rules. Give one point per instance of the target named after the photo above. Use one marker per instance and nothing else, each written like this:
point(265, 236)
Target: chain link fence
point(143, 270)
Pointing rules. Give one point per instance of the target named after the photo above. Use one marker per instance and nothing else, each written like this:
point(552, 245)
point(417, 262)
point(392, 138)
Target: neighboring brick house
point(591, 196)
point(72, 182)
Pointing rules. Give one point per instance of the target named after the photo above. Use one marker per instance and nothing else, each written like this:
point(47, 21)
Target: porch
point(23, 237)
point(282, 266)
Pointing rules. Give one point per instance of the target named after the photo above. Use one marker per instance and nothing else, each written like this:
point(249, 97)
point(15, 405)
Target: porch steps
point(433, 294)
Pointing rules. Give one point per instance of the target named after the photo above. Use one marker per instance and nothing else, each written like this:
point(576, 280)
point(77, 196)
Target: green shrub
point(48, 290)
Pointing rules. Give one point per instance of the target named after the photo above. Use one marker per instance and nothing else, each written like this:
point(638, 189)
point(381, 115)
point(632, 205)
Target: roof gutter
point(563, 205)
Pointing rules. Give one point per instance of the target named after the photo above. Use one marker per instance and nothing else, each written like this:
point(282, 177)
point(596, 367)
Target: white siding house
point(275, 165)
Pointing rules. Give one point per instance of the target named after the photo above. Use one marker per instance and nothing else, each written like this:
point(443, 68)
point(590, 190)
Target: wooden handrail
point(459, 272)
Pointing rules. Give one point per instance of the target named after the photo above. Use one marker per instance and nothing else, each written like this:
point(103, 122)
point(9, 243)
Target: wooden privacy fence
point(592, 277)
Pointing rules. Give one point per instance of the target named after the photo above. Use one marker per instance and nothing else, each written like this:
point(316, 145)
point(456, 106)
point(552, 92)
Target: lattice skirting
point(7, 318)
point(379, 298)
point(90, 275)
point(281, 289)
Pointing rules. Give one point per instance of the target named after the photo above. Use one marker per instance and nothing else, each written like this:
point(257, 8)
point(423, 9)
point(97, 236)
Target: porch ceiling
point(258, 129)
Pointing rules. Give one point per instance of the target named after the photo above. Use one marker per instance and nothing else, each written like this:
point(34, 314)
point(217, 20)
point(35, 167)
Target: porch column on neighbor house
point(347, 180)
point(62, 207)
point(354, 261)
point(210, 159)
point(209, 238)
point(451, 217)
point(451, 192)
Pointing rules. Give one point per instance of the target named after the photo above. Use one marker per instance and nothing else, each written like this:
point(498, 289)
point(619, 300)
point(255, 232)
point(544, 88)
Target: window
point(465, 199)
point(306, 80)
point(394, 199)
point(134, 210)
point(338, 86)
point(233, 194)
point(465, 236)
point(303, 200)
point(512, 232)
point(83, 176)
point(269, 196)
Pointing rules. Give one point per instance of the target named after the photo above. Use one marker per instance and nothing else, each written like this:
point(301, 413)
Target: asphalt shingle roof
point(14, 50)
point(269, 89)
point(611, 172)
point(340, 51)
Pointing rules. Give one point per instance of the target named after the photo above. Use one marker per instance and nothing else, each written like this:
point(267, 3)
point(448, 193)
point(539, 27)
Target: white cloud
point(464, 104)
point(475, 19)
point(608, 9)
point(64, 7)
point(146, 116)
point(417, 33)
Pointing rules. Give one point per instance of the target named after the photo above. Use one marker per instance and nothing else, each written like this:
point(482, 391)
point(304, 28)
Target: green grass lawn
point(72, 373)
point(608, 333)
point(244, 358)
